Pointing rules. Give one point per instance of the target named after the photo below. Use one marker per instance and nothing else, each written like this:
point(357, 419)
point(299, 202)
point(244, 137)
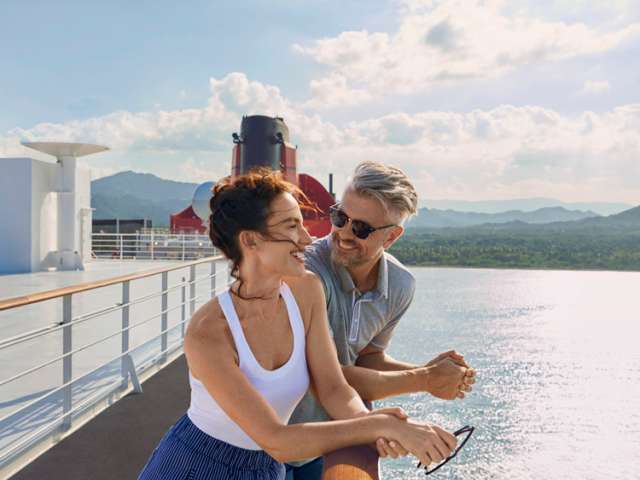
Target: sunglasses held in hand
point(360, 228)
point(468, 430)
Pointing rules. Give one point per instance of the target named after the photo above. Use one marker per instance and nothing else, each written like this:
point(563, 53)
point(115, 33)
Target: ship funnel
point(264, 142)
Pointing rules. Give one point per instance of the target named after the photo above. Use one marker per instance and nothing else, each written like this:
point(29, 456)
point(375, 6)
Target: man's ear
point(247, 240)
point(395, 233)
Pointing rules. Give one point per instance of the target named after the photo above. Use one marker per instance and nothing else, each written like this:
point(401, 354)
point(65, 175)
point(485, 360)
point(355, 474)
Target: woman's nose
point(305, 238)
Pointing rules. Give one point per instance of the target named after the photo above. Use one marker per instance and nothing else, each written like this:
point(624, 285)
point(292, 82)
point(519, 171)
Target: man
point(367, 292)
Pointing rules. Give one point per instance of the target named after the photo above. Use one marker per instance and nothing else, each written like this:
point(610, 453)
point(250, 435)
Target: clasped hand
point(428, 443)
point(447, 376)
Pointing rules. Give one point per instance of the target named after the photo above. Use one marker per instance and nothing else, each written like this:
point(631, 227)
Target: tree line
point(512, 249)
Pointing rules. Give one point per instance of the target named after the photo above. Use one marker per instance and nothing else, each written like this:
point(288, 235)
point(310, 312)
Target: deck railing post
point(124, 368)
point(121, 246)
point(183, 245)
point(152, 244)
point(164, 316)
point(213, 278)
point(192, 290)
point(183, 307)
point(67, 365)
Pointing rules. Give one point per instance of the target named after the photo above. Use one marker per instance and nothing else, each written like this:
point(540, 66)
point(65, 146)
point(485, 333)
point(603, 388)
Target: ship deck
point(24, 284)
point(118, 442)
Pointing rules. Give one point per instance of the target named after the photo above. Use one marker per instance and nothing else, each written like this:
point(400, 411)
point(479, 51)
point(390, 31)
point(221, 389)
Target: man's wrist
point(423, 378)
point(361, 414)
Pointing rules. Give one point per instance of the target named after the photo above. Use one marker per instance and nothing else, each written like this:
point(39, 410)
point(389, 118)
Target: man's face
point(351, 251)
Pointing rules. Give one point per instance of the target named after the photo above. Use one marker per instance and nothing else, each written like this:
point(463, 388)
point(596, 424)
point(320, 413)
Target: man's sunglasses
point(468, 430)
point(360, 229)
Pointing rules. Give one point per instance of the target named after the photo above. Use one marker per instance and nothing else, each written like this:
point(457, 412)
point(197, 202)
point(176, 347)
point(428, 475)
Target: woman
point(254, 350)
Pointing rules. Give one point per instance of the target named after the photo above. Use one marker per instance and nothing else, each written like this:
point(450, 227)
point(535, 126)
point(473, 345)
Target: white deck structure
point(46, 209)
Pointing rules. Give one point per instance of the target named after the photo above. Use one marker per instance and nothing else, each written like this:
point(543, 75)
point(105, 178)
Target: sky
point(474, 99)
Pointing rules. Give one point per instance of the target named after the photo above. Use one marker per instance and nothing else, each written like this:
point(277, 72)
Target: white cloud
point(444, 41)
point(595, 86)
point(333, 91)
point(191, 170)
point(503, 152)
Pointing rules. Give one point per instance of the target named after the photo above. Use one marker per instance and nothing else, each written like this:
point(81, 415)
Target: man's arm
point(447, 376)
point(376, 385)
point(377, 359)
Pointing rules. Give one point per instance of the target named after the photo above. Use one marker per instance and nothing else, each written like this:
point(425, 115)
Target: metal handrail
point(84, 347)
point(74, 395)
point(96, 313)
point(74, 380)
point(84, 287)
point(23, 337)
point(88, 401)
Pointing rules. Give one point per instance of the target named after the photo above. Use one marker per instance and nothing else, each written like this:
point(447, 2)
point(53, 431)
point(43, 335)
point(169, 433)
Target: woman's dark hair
point(242, 203)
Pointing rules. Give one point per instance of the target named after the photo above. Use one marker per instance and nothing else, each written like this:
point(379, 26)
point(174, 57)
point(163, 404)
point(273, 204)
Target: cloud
point(504, 152)
point(595, 87)
point(333, 91)
point(198, 171)
point(445, 41)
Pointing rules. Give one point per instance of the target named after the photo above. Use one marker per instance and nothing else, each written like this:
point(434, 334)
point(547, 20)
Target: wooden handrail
point(352, 463)
point(83, 287)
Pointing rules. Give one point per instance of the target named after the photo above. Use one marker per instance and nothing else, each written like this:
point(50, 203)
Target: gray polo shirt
point(356, 319)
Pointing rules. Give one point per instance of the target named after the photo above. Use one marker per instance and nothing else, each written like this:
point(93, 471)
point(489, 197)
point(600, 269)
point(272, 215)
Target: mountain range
point(524, 204)
point(626, 222)
point(434, 218)
point(132, 195)
point(129, 195)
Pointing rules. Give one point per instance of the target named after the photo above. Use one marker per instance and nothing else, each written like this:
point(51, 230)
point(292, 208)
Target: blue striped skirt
point(187, 453)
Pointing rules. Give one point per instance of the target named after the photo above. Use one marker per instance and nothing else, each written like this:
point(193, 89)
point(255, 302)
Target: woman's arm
point(211, 359)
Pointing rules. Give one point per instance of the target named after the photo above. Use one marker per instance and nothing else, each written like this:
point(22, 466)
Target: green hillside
point(611, 243)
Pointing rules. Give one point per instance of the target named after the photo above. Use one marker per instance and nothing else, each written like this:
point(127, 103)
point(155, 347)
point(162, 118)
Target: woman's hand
point(429, 443)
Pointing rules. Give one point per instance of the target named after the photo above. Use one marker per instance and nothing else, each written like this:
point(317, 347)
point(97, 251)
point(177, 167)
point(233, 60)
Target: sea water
point(557, 355)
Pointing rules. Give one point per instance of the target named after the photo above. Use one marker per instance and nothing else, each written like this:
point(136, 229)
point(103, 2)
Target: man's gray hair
point(388, 184)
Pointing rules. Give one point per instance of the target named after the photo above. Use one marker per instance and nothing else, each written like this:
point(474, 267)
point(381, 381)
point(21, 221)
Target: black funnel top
point(261, 139)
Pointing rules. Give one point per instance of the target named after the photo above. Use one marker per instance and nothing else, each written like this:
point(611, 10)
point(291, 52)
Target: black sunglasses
point(359, 228)
point(468, 430)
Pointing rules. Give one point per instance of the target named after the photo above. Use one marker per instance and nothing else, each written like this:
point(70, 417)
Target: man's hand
point(385, 447)
point(448, 376)
point(452, 355)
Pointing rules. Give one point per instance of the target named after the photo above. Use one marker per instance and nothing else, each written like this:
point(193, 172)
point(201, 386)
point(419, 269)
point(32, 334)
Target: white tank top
point(283, 387)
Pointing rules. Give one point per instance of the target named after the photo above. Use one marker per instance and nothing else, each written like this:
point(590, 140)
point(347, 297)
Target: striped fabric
point(187, 453)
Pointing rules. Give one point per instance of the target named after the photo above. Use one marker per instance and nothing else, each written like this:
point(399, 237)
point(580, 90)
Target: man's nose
point(346, 231)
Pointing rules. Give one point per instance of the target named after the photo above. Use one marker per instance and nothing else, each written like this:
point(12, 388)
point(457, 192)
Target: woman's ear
point(247, 240)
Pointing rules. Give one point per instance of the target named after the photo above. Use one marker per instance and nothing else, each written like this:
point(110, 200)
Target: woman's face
point(282, 249)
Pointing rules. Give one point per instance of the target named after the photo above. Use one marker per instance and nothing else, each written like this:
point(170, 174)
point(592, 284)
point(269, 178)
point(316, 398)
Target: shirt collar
point(382, 286)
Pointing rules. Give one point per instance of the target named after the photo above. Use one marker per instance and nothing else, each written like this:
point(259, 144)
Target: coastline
point(527, 268)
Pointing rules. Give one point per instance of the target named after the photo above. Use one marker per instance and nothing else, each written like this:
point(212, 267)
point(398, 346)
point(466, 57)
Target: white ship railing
point(151, 245)
point(35, 415)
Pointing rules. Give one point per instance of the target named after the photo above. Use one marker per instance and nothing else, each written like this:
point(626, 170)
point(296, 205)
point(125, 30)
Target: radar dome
point(201, 198)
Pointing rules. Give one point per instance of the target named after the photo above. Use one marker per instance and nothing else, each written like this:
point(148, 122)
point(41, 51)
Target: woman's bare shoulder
point(208, 324)
point(309, 294)
point(305, 287)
